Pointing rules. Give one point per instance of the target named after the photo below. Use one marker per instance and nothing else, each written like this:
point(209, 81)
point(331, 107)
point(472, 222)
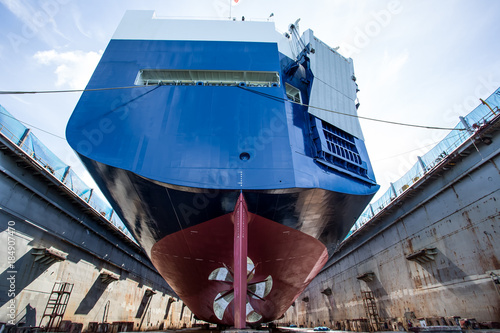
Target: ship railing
point(218, 18)
point(13, 130)
point(462, 132)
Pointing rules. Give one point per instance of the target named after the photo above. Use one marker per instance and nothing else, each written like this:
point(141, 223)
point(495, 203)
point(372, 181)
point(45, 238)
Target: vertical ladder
point(371, 310)
point(56, 305)
point(106, 312)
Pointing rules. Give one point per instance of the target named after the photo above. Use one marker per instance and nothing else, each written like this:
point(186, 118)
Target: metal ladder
point(371, 310)
point(56, 305)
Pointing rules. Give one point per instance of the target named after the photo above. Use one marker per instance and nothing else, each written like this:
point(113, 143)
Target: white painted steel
point(333, 86)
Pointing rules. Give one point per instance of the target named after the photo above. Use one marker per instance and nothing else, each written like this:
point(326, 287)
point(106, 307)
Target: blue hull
point(173, 142)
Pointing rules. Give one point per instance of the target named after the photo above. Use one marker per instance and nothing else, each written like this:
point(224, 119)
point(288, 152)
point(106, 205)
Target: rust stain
point(467, 218)
point(455, 192)
point(426, 278)
point(417, 281)
point(410, 245)
point(485, 261)
point(415, 276)
point(495, 262)
point(489, 245)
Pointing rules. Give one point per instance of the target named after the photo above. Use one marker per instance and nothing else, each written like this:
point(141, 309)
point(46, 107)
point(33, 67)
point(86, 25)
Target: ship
point(231, 151)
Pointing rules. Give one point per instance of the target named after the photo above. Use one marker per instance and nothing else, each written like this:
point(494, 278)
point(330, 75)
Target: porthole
point(244, 156)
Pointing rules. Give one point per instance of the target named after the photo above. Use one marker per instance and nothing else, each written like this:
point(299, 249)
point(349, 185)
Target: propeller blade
point(252, 316)
point(250, 269)
point(221, 302)
point(261, 289)
point(221, 274)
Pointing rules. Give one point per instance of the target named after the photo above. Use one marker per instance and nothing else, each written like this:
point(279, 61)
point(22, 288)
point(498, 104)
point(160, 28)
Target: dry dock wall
point(431, 254)
point(49, 235)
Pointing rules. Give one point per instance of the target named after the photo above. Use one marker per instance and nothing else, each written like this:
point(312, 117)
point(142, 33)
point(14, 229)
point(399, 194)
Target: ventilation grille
point(341, 150)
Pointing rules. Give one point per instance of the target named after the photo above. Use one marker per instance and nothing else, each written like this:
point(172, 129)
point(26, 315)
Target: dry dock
point(429, 257)
point(67, 266)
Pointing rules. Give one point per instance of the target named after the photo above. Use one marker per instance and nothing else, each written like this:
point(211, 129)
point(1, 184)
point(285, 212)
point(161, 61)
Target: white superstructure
point(333, 86)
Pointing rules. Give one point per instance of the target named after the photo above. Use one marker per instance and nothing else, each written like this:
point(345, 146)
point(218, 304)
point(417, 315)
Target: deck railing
point(461, 133)
point(22, 136)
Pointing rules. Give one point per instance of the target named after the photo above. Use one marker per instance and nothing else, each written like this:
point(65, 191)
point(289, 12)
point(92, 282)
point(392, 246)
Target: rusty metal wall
point(37, 214)
point(449, 229)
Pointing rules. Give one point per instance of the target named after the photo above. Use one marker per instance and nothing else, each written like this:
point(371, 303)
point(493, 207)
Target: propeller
point(256, 290)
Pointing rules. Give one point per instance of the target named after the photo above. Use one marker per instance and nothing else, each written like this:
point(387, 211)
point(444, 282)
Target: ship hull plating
point(214, 109)
point(186, 258)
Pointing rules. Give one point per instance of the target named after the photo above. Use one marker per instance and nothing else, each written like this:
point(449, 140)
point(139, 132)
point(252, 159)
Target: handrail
point(483, 113)
point(104, 209)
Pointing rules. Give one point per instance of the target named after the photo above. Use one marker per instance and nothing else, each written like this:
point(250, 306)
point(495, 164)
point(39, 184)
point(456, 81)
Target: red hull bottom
point(186, 259)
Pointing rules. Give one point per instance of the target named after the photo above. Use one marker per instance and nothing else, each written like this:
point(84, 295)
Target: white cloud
point(73, 68)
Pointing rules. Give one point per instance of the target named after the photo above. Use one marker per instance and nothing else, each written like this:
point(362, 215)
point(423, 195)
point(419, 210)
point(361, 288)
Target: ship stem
point(240, 218)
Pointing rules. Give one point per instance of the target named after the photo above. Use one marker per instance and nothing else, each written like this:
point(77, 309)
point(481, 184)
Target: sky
point(421, 62)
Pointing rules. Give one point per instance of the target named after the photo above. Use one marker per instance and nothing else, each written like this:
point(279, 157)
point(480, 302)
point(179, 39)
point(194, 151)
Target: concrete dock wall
point(51, 235)
point(431, 255)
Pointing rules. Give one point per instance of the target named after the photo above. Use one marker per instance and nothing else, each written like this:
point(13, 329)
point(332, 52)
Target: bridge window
point(293, 93)
point(207, 78)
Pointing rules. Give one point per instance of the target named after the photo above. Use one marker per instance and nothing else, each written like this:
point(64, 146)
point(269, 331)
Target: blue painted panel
point(193, 135)
point(185, 135)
